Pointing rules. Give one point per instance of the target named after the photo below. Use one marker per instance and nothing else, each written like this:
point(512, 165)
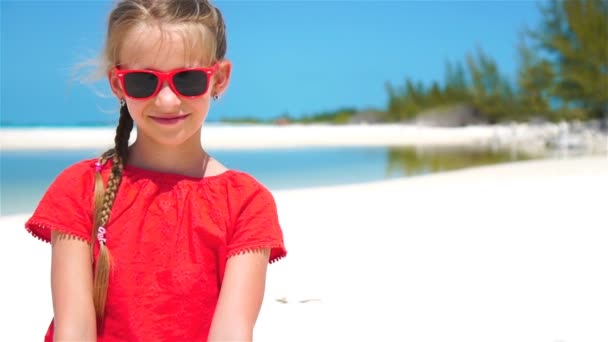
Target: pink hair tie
point(98, 166)
point(101, 235)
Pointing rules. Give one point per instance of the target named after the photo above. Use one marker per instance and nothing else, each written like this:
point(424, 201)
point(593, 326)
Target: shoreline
point(469, 255)
point(580, 166)
point(519, 136)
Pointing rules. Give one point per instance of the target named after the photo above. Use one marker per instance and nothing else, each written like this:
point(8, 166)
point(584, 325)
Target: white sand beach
point(514, 252)
point(257, 136)
point(521, 136)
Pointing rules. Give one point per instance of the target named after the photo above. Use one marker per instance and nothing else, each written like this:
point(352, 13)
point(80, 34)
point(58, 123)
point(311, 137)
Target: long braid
point(123, 132)
point(103, 206)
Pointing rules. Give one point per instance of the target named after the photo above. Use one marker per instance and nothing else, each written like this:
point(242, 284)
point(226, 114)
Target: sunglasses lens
point(140, 84)
point(191, 82)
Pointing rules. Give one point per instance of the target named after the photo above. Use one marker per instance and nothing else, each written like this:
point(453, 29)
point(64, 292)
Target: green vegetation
point(340, 116)
point(575, 33)
point(244, 120)
point(570, 81)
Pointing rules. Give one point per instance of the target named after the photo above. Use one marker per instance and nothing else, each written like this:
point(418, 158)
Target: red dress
point(169, 237)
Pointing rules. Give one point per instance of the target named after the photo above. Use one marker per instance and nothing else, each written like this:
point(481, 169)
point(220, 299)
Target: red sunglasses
point(144, 84)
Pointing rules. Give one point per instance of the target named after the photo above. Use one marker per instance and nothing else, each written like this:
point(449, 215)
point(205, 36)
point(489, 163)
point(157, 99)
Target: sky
point(295, 57)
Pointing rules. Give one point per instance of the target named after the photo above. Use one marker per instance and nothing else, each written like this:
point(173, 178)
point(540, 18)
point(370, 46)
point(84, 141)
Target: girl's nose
point(166, 98)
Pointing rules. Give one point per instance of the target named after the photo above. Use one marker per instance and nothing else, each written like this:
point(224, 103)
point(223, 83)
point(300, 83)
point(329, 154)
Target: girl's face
point(167, 118)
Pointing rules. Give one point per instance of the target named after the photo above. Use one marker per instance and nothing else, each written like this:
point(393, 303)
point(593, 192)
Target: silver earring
point(215, 97)
point(122, 102)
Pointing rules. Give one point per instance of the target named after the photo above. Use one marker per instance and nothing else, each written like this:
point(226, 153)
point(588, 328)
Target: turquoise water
point(25, 175)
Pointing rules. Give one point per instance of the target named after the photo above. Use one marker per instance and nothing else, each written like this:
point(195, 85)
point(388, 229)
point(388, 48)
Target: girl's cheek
point(136, 109)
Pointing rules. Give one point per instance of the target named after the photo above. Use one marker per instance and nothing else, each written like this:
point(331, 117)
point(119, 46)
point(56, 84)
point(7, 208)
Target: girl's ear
point(221, 77)
point(115, 84)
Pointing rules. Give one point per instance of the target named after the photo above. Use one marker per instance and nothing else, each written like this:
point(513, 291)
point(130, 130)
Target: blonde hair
point(195, 19)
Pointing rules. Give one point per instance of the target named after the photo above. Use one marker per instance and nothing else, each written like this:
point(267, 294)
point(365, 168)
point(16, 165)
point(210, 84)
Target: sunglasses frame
point(165, 77)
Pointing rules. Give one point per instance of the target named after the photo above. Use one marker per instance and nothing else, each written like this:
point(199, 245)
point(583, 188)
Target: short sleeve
point(257, 225)
point(66, 206)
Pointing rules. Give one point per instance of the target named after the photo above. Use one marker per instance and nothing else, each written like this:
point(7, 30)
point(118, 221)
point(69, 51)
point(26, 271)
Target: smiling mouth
point(169, 120)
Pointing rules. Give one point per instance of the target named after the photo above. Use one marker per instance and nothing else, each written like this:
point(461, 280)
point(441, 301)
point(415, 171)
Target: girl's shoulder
point(66, 204)
point(79, 168)
point(243, 184)
point(75, 176)
point(236, 186)
point(240, 179)
point(236, 190)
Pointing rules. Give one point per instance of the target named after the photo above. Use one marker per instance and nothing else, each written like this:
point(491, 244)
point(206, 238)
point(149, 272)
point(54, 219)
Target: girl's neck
point(187, 159)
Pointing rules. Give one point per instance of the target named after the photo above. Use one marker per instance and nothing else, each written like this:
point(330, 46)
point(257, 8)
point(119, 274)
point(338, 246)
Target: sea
point(25, 175)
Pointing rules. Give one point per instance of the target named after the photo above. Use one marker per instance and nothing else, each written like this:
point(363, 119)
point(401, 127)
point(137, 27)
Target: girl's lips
point(171, 120)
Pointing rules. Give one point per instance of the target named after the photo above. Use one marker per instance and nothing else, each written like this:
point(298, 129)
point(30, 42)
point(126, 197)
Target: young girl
point(158, 241)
